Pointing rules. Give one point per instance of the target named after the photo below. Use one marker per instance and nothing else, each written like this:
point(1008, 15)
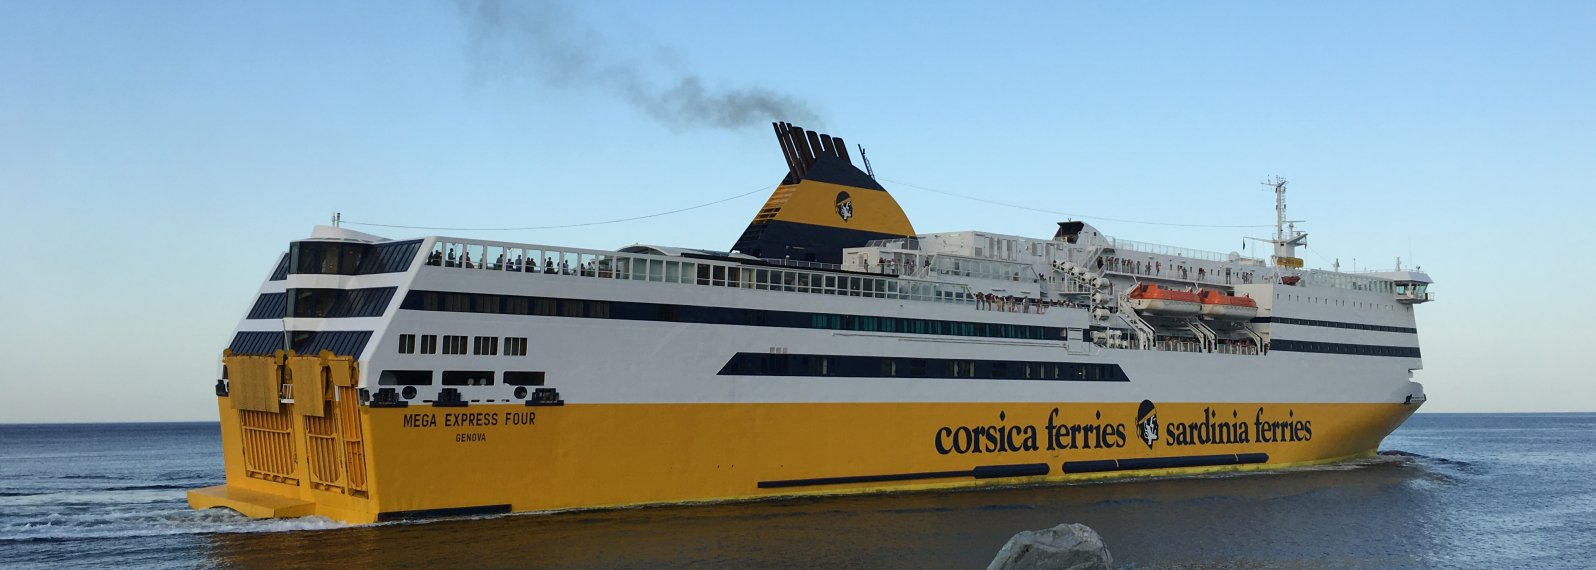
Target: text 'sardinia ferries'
point(833, 351)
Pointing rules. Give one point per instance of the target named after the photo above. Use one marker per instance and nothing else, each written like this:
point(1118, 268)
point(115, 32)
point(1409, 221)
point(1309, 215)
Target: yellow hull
point(362, 464)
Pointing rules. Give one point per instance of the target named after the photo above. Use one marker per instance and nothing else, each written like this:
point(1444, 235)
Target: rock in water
point(1064, 547)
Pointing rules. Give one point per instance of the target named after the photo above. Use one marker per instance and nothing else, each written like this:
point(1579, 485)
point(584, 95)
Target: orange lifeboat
point(1224, 307)
point(1154, 300)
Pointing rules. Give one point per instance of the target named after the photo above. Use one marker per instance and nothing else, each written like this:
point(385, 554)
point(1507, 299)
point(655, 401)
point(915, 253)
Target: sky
point(156, 157)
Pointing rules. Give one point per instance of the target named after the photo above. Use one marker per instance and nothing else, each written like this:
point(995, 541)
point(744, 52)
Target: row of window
point(1341, 348)
point(604, 266)
point(323, 303)
point(635, 311)
point(460, 377)
point(456, 344)
point(334, 258)
point(771, 364)
point(831, 284)
point(1335, 302)
point(339, 303)
point(950, 265)
point(1334, 324)
point(259, 343)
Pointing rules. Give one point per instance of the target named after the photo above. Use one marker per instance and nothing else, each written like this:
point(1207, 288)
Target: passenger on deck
point(451, 258)
point(465, 261)
point(548, 265)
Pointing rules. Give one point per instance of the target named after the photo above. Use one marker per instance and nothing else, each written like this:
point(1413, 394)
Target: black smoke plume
point(543, 42)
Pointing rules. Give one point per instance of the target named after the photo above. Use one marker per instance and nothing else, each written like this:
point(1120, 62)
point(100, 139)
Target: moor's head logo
point(1147, 422)
point(844, 206)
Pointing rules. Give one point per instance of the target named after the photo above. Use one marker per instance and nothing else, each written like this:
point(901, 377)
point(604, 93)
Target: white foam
point(147, 520)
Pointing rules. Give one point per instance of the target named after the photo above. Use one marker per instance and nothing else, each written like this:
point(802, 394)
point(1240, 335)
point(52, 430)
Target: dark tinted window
point(405, 378)
point(520, 378)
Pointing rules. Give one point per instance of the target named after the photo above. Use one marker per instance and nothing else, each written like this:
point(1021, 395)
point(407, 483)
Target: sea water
point(1449, 490)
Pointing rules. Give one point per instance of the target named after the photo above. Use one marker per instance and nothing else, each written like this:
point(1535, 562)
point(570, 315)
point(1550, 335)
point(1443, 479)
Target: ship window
point(819, 365)
point(327, 258)
point(889, 367)
point(514, 346)
point(571, 308)
point(703, 274)
point(311, 303)
point(467, 378)
point(453, 344)
point(520, 378)
point(405, 378)
point(429, 344)
point(544, 306)
point(516, 305)
point(488, 304)
point(963, 369)
point(599, 309)
point(457, 302)
point(1000, 370)
point(917, 367)
point(488, 345)
point(407, 344)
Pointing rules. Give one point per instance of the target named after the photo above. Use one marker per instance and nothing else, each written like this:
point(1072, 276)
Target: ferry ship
point(831, 350)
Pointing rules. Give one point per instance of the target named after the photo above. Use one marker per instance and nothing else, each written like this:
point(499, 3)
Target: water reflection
point(1380, 513)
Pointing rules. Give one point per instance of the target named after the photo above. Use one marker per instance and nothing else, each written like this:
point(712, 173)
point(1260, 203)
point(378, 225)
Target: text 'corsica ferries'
point(833, 351)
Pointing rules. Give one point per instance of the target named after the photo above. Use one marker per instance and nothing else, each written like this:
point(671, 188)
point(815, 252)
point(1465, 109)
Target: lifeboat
point(1154, 300)
point(1224, 307)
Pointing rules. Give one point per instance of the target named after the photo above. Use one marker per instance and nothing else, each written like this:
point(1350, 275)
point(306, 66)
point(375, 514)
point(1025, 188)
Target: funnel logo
point(844, 206)
point(1147, 422)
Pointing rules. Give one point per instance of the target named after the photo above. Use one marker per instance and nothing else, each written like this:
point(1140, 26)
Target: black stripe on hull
point(1287, 345)
point(1106, 465)
point(1333, 324)
point(849, 366)
point(420, 300)
point(440, 513)
point(982, 472)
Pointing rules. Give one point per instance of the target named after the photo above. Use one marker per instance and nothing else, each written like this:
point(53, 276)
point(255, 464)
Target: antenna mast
point(1287, 238)
point(866, 159)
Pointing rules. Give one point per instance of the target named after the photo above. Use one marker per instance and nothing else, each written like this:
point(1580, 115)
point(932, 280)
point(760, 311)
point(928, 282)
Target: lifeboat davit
point(1154, 300)
point(1224, 307)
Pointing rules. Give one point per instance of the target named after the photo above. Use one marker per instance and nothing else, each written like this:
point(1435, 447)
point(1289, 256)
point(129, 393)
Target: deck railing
point(789, 276)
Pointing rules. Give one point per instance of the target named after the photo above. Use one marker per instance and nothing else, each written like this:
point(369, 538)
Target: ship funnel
point(802, 148)
point(823, 205)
